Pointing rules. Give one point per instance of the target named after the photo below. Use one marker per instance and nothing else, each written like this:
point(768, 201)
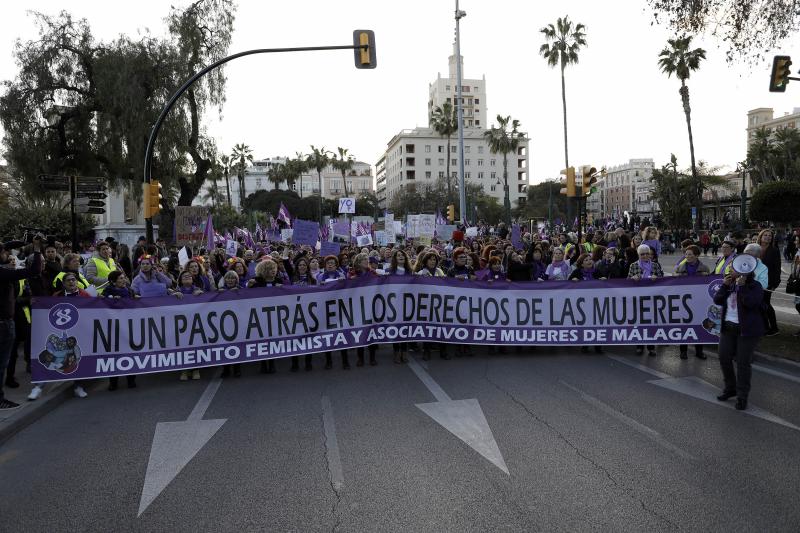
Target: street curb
point(33, 411)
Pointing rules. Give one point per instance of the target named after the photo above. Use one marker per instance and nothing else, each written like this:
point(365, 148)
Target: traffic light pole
point(73, 217)
point(148, 157)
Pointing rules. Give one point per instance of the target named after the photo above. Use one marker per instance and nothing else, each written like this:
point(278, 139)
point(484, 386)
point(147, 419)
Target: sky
point(620, 106)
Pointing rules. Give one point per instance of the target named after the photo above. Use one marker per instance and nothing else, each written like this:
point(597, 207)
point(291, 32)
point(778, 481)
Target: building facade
point(626, 187)
point(418, 157)
point(763, 117)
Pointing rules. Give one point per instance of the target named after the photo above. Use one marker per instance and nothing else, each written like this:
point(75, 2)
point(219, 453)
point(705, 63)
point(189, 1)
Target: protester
point(771, 257)
point(100, 266)
point(692, 267)
point(723, 265)
point(645, 269)
point(558, 269)
point(742, 327)
point(149, 282)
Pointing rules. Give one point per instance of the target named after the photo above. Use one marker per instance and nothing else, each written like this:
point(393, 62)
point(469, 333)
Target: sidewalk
point(15, 420)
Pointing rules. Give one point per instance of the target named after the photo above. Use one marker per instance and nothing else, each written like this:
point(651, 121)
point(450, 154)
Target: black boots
point(268, 367)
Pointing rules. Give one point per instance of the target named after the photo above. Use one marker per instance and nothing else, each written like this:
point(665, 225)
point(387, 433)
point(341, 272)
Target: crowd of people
point(109, 269)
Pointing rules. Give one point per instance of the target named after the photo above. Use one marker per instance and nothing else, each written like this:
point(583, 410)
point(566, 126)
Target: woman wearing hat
point(740, 296)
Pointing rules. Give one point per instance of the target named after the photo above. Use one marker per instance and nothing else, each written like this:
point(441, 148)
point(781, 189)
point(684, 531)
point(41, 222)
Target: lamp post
point(743, 206)
point(462, 199)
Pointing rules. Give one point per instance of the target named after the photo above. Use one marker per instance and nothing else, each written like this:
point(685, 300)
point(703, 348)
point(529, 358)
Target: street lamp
point(742, 169)
point(462, 198)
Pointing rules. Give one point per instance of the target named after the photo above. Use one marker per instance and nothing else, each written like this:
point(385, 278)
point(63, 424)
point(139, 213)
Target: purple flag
point(283, 214)
point(209, 234)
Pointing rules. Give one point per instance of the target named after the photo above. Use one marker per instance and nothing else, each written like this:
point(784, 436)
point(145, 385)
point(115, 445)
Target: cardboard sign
point(412, 226)
point(230, 247)
point(286, 234)
point(380, 238)
point(347, 206)
point(329, 248)
point(364, 240)
point(189, 223)
point(305, 232)
point(388, 223)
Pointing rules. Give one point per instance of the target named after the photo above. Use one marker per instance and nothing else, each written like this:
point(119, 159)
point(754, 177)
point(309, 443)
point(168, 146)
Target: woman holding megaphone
point(742, 327)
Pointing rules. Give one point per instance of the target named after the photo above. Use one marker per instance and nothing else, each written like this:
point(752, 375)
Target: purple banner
point(80, 338)
point(305, 232)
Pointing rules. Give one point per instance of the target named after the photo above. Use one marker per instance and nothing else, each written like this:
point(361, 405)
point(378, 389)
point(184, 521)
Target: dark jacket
point(748, 298)
point(606, 270)
point(9, 285)
point(520, 271)
point(772, 259)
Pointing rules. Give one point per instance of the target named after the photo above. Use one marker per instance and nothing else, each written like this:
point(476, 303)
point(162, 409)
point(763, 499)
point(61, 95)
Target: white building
point(764, 117)
point(473, 94)
point(418, 157)
point(359, 181)
point(626, 187)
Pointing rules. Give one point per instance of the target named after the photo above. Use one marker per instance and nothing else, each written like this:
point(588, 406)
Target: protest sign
point(388, 223)
point(472, 232)
point(230, 247)
point(516, 238)
point(347, 206)
point(445, 231)
point(427, 226)
point(305, 232)
point(412, 226)
point(364, 240)
point(398, 227)
point(189, 224)
point(380, 238)
point(183, 256)
point(91, 338)
point(329, 248)
point(286, 234)
point(341, 229)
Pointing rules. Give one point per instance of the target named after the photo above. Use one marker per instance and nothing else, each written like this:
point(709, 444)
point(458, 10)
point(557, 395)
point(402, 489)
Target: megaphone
point(744, 264)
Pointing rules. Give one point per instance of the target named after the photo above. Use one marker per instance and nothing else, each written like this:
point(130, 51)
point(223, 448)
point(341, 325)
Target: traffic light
point(569, 190)
point(451, 213)
point(781, 68)
point(364, 43)
point(588, 179)
point(152, 198)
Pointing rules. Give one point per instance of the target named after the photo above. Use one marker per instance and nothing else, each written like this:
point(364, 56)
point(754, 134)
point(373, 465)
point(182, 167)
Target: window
point(446, 87)
point(410, 148)
point(477, 89)
point(465, 88)
point(441, 173)
point(427, 175)
point(493, 162)
point(477, 122)
point(480, 175)
point(466, 161)
point(493, 175)
point(466, 175)
point(453, 161)
point(492, 187)
point(452, 149)
point(469, 123)
point(466, 149)
point(440, 149)
point(428, 161)
point(480, 151)
point(477, 100)
point(441, 160)
point(480, 162)
point(427, 148)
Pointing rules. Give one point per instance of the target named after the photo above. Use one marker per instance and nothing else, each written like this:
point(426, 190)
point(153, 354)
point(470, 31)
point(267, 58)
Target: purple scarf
point(588, 274)
point(647, 268)
point(691, 269)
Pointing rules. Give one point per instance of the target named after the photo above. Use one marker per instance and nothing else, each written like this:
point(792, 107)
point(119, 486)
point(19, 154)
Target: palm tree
point(676, 58)
point(318, 159)
point(444, 121)
point(294, 169)
point(242, 155)
point(225, 166)
point(343, 162)
point(277, 174)
point(787, 146)
point(561, 48)
point(212, 193)
point(503, 141)
point(761, 155)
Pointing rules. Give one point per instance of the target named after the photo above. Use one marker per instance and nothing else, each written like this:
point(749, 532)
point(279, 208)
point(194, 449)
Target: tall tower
point(473, 91)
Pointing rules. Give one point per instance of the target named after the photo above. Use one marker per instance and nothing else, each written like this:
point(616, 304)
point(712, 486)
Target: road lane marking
point(462, 418)
point(175, 444)
point(630, 422)
point(643, 368)
point(773, 372)
point(332, 446)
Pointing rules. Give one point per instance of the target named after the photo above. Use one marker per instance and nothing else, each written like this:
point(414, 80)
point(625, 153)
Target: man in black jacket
point(9, 287)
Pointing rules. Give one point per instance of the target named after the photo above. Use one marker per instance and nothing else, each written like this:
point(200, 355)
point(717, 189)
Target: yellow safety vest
point(718, 268)
point(588, 247)
point(103, 269)
point(26, 309)
point(82, 282)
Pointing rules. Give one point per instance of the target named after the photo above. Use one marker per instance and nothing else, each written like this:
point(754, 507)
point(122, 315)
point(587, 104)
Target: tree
point(224, 162)
point(444, 121)
point(676, 58)
point(242, 155)
point(504, 141)
point(748, 27)
point(277, 175)
point(293, 170)
point(318, 159)
point(367, 205)
point(343, 162)
point(776, 202)
point(761, 155)
point(545, 201)
point(212, 193)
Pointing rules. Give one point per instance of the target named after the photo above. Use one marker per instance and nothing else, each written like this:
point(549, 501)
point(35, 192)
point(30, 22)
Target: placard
point(364, 240)
point(189, 224)
point(445, 231)
point(472, 232)
point(427, 226)
point(305, 232)
point(388, 222)
point(347, 206)
point(286, 234)
point(230, 247)
point(329, 248)
point(516, 238)
point(412, 226)
point(183, 257)
point(341, 229)
point(380, 238)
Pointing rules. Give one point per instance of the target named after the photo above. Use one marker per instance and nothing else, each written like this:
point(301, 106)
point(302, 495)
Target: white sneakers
point(80, 393)
point(195, 374)
point(36, 392)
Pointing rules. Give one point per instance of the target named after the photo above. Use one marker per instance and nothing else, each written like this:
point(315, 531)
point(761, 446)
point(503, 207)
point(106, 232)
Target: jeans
point(7, 330)
point(733, 346)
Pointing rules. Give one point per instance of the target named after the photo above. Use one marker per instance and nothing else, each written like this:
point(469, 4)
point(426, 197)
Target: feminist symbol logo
point(63, 316)
point(713, 287)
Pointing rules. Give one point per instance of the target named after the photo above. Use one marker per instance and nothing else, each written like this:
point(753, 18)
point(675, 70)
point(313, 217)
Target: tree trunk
point(698, 201)
point(570, 201)
point(344, 184)
point(228, 187)
point(319, 176)
point(506, 200)
point(189, 189)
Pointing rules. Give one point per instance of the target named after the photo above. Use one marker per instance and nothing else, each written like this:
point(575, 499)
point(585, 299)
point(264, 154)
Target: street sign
point(86, 205)
point(92, 195)
point(694, 213)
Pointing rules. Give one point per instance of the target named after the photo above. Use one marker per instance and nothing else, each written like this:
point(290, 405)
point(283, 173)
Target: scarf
point(588, 274)
point(647, 268)
point(691, 269)
point(562, 265)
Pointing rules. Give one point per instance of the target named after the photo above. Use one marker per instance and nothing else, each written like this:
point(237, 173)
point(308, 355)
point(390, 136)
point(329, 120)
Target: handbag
point(793, 285)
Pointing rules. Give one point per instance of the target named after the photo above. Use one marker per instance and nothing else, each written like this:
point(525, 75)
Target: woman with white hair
point(645, 268)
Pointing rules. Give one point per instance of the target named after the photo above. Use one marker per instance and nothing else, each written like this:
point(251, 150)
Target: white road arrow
point(462, 418)
point(700, 389)
point(175, 444)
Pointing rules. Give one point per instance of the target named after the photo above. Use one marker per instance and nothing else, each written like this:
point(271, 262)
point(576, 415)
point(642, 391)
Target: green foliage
point(540, 199)
point(54, 222)
point(270, 201)
point(444, 120)
point(776, 202)
point(563, 42)
point(342, 161)
point(430, 198)
point(774, 156)
point(226, 218)
point(676, 58)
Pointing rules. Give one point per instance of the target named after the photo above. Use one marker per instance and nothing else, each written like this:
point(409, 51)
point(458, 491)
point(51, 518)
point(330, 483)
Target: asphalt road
point(590, 443)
